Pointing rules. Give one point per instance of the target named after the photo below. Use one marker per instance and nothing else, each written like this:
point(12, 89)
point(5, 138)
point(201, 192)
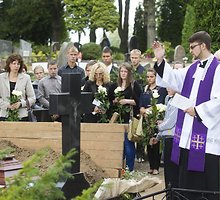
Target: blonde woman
point(99, 76)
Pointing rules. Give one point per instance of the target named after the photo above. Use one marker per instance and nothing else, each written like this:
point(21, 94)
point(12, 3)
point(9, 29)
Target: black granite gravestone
point(70, 104)
point(133, 43)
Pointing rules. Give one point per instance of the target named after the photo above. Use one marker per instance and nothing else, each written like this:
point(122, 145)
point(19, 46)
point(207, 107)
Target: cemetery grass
point(91, 171)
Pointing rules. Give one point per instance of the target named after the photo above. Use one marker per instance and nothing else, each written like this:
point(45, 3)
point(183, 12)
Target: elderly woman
point(13, 82)
point(99, 76)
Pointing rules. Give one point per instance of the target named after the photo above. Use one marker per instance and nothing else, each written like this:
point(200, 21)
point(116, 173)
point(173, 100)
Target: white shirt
point(208, 111)
point(109, 68)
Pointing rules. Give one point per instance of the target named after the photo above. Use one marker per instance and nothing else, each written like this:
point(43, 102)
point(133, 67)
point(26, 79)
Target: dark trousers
point(153, 152)
point(171, 170)
point(207, 180)
point(140, 150)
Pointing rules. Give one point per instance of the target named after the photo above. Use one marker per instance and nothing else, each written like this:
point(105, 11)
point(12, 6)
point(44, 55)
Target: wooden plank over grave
point(103, 142)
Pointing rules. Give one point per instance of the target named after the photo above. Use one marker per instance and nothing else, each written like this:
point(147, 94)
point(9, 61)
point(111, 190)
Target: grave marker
point(70, 104)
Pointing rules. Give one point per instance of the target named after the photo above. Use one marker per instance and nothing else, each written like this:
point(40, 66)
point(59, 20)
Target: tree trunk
point(92, 35)
point(123, 28)
point(57, 23)
point(149, 10)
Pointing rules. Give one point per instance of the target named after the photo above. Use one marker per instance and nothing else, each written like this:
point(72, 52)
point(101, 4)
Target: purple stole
point(196, 160)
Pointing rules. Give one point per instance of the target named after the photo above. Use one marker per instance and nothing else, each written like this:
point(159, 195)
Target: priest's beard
point(197, 57)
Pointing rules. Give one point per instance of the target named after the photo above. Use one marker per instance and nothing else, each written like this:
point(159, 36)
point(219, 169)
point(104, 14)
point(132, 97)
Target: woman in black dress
point(153, 151)
point(99, 76)
point(130, 91)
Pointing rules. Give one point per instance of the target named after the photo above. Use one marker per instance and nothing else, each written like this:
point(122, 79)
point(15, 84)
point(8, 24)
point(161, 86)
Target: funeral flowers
point(102, 102)
point(14, 98)
point(152, 115)
point(119, 108)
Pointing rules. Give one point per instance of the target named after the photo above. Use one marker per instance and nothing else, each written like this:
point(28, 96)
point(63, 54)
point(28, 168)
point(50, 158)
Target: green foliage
point(169, 51)
point(23, 186)
point(114, 76)
point(207, 19)
point(91, 51)
point(170, 20)
point(141, 78)
point(149, 53)
point(38, 21)
point(118, 56)
point(139, 29)
point(42, 53)
point(89, 193)
point(116, 49)
point(81, 14)
point(5, 152)
point(104, 15)
point(77, 14)
point(188, 27)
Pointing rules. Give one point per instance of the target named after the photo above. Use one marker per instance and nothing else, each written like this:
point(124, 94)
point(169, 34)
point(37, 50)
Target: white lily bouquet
point(101, 99)
point(153, 114)
point(120, 109)
point(14, 98)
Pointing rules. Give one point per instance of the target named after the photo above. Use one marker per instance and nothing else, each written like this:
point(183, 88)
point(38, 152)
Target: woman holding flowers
point(124, 96)
point(15, 90)
point(152, 95)
point(98, 84)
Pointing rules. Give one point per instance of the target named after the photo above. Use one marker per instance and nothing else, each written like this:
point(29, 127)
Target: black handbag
point(31, 116)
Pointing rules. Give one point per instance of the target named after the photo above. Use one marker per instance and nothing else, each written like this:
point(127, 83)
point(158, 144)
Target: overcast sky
point(85, 38)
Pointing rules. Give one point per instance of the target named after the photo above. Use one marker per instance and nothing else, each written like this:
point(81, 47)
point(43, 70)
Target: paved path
point(144, 167)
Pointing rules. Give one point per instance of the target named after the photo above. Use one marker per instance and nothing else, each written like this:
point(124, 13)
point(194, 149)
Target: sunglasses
point(193, 46)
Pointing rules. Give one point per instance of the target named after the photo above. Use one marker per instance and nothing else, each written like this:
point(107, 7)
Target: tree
point(78, 13)
point(35, 21)
point(57, 21)
point(207, 19)
point(91, 14)
point(104, 15)
point(149, 20)
point(123, 28)
point(171, 18)
point(140, 28)
point(188, 26)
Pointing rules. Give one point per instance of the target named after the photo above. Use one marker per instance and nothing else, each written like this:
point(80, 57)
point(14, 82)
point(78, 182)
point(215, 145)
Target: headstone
point(179, 53)
point(25, 48)
point(9, 167)
point(77, 45)
point(70, 104)
point(133, 43)
point(62, 59)
point(6, 48)
point(105, 43)
point(55, 46)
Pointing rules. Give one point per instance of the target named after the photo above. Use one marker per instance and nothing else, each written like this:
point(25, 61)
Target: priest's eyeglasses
point(193, 46)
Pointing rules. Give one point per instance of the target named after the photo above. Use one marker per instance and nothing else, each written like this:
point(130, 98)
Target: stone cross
point(70, 104)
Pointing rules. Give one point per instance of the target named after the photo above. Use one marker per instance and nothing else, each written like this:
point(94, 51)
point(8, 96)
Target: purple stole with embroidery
point(196, 160)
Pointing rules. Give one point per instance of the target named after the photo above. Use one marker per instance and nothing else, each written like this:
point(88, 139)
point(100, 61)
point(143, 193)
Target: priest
point(196, 143)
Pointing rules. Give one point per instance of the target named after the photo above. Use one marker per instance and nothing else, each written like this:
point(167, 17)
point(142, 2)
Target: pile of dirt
point(92, 172)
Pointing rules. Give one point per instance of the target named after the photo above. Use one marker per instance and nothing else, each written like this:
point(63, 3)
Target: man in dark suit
point(107, 59)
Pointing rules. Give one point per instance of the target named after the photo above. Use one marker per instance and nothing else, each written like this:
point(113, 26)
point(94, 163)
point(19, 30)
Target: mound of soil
point(92, 172)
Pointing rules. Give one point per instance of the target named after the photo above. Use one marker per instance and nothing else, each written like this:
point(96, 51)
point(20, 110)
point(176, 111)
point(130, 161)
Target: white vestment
point(208, 111)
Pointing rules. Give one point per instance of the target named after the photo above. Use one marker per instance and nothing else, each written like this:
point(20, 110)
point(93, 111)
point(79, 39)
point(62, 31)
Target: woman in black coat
point(99, 76)
point(130, 93)
point(145, 102)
